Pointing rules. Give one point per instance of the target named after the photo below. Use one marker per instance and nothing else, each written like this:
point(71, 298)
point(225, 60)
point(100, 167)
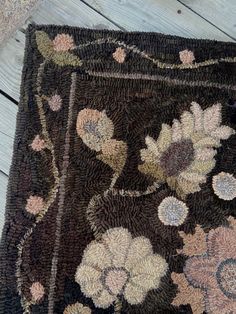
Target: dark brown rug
point(122, 191)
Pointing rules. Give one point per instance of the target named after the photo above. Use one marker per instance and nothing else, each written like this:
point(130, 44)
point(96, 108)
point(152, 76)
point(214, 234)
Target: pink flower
point(34, 205)
point(38, 144)
point(55, 102)
point(37, 291)
point(215, 271)
point(186, 56)
point(119, 55)
point(63, 42)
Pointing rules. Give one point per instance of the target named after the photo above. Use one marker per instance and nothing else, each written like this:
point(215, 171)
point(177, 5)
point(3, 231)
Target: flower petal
point(205, 153)
point(147, 155)
point(198, 116)
point(117, 240)
point(164, 139)
point(218, 303)
point(207, 142)
point(91, 288)
point(193, 177)
point(105, 127)
point(104, 300)
point(96, 255)
point(153, 264)
point(139, 249)
point(222, 243)
point(187, 122)
point(187, 294)
point(223, 132)
point(152, 145)
point(200, 272)
point(176, 131)
point(134, 294)
point(202, 167)
point(153, 170)
point(146, 282)
point(86, 273)
point(187, 187)
point(212, 118)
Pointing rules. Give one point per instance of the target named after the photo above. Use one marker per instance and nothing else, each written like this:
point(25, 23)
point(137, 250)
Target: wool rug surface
point(122, 190)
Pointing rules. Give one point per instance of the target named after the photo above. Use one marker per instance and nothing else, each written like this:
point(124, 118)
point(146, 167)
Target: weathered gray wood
point(8, 112)
point(221, 13)
point(11, 61)
point(165, 16)
point(70, 12)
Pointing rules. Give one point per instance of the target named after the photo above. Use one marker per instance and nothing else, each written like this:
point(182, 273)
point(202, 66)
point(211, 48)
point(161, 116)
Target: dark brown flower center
point(177, 157)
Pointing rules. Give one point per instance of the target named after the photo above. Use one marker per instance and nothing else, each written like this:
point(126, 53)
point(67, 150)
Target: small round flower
point(224, 186)
point(119, 265)
point(38, 144)
point(63, 42)
point(186, 56)
point(37, 291)
point(172, 211)
point(94, 128)
point(55, 102)
point(119, 55)
point(77, 308)
point(34, 205)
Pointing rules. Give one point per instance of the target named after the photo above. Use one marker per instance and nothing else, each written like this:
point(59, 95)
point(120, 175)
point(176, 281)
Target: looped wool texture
point(122, 191)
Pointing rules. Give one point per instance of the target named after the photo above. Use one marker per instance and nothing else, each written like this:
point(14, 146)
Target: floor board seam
point(205, 19)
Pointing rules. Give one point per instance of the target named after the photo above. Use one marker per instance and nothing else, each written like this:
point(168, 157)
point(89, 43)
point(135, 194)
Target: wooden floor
point(213, 19)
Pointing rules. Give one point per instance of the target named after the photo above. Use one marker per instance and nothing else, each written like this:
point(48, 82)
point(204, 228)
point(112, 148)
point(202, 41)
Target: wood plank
point(71, 12)
point(8, 112)
point(11, 61)
point(221, 13)
point(3, 191)
point(165, 16)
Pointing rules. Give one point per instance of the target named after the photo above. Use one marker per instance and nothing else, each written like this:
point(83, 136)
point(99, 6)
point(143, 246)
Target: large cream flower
point(119, 265)
point(184, 154)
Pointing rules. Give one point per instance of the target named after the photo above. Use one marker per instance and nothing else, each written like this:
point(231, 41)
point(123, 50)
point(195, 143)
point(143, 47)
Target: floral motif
point(172, 211)
point(96, 131)
point(188, 295)
point(63, 42)
point(194, 244)
point(77, 308)
point(37, 291)
point(34, 205)
point(214, 272)
point(119, 265)
point(183, 154)
point(38, 144)
point(55, 102)
point(94, 128)
point(224, 186)
point(186, 56)
point(114, 154)
point(119, 55)
point(57, 50)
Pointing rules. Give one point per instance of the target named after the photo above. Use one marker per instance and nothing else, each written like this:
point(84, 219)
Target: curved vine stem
point(157, 62)
point(126, 193)
point(51, 196)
